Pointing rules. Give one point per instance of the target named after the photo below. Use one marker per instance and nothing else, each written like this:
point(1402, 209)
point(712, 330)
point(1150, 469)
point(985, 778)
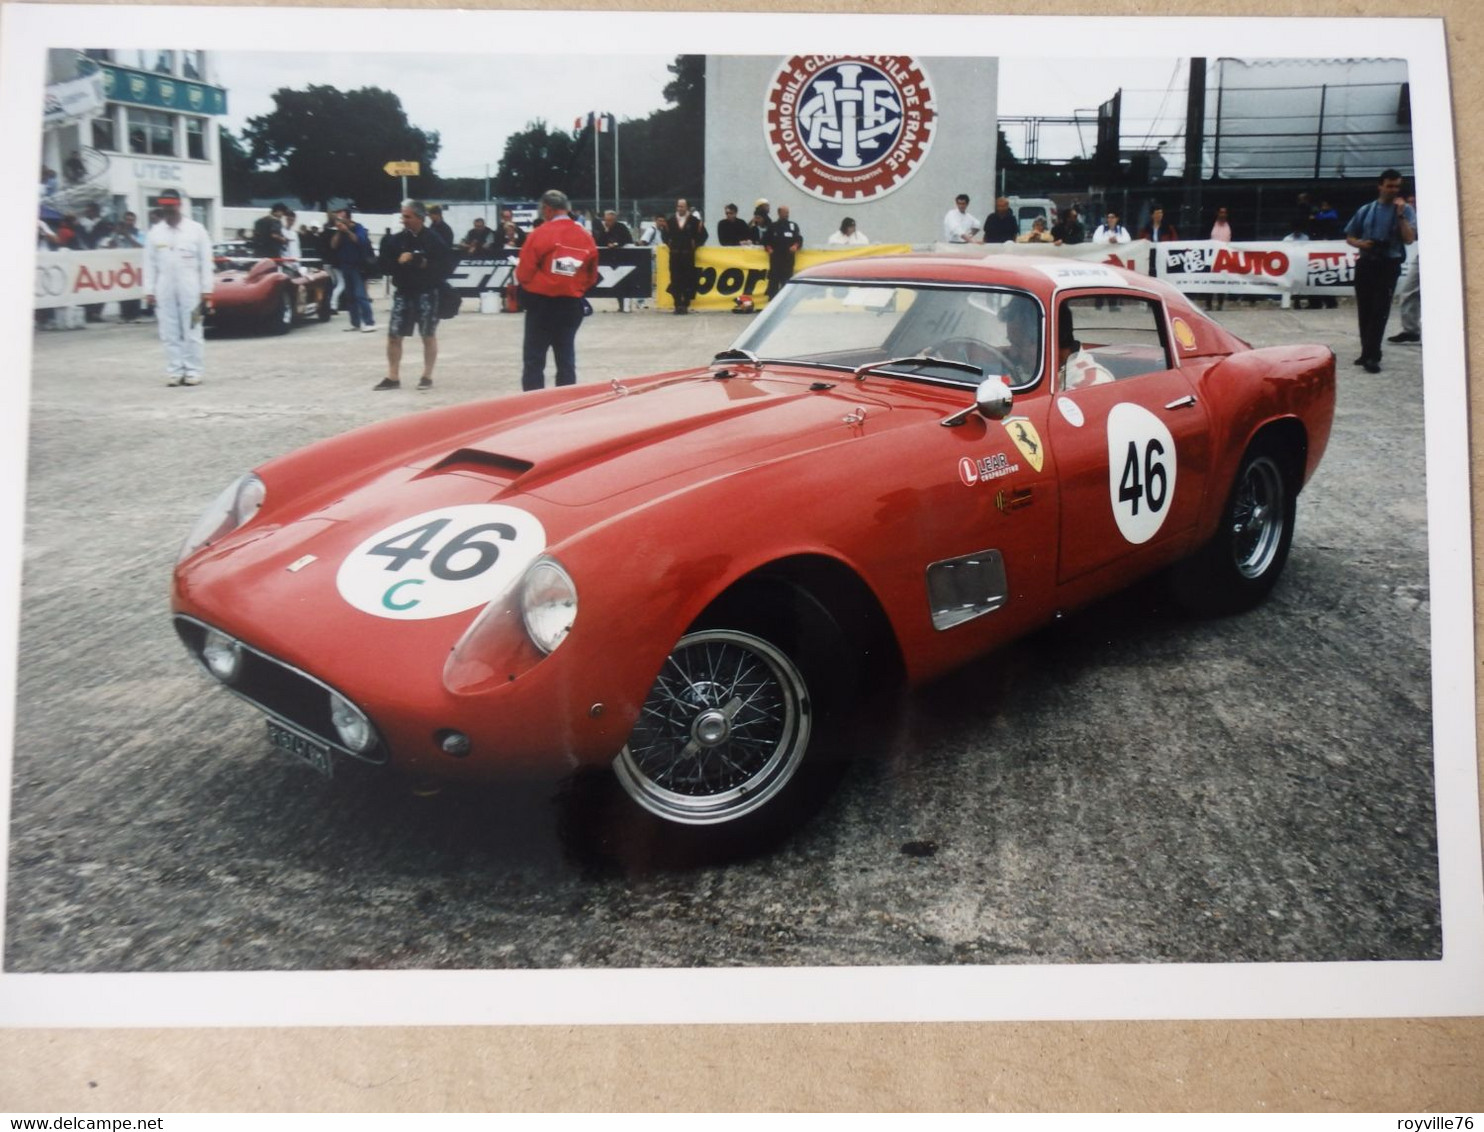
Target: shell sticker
point(440, 562)
point(1071, 411)
point(1027, 439)
point(1184, 334)
point(1141, 471)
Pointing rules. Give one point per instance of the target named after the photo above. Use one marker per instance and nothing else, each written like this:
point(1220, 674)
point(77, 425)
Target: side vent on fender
point(961, 589)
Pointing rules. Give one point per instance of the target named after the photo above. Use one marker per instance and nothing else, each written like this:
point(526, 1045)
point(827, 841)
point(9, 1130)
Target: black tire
point(323, 310)
point(1240, 565)
point(283, 315)
point(737, 742)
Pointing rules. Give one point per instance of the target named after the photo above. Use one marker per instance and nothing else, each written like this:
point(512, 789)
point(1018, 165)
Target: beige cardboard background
point(1347, 1065)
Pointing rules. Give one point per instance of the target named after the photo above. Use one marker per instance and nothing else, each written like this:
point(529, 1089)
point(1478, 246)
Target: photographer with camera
point(351, 256)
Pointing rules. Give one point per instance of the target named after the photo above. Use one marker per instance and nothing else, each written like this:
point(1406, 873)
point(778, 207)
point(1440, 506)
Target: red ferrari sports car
point(689, 578)
point(271, 294)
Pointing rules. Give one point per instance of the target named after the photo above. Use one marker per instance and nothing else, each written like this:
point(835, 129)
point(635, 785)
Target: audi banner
point(623, 273)
point(68, 278)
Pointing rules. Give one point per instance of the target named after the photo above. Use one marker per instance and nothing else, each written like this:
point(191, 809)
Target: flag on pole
point(604, 122)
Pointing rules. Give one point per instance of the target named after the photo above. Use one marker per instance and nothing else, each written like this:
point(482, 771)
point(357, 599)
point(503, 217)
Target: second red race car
point(267, 295)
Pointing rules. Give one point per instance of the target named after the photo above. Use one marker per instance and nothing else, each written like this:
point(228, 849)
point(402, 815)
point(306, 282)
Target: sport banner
point(623, 273)
point(1299, 267)
point(68, 278)
point(724, 275)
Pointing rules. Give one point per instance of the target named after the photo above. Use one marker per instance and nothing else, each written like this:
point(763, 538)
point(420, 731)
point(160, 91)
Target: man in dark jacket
point(417, 259)
point(683, 236)
point(784, 239)
point(733, 232)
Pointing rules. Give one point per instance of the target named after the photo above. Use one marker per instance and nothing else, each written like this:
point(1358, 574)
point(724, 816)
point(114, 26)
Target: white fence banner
point(68, 278)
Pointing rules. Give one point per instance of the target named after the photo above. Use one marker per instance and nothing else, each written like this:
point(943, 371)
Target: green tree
point(238, 168)
point(535, 159)
point(333, 144)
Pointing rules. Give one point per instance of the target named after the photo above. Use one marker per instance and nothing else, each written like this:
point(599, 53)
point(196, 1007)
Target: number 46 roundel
point(1141, 471)
point(440, 562)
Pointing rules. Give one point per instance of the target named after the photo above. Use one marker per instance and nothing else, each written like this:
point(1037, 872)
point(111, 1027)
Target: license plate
point(311, 751)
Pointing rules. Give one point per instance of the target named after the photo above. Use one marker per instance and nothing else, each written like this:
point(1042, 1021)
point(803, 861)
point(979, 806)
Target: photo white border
point(1451, 986)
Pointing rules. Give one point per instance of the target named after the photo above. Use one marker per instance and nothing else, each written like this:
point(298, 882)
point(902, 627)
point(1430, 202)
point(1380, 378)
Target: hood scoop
point(490, 466)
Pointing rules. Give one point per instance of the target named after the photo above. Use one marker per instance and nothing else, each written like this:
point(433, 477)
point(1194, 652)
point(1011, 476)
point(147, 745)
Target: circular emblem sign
point(849, 127)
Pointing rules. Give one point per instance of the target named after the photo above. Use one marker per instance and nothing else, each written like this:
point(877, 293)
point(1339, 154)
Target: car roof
point(1040, 274)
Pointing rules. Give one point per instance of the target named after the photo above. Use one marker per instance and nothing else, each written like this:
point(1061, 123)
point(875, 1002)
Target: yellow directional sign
point(402, 168)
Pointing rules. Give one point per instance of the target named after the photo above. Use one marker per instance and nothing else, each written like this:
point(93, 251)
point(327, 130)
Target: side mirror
point(993, 398)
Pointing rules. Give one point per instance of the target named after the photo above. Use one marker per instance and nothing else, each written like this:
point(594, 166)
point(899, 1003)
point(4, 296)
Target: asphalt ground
point(1130, 785)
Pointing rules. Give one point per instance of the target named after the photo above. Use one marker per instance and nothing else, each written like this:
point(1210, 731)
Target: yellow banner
point(724, 275)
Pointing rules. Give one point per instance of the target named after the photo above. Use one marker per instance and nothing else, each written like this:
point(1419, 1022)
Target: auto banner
point(67, 278)
point(623, 273)
point(724, 275)
point(1299, 267)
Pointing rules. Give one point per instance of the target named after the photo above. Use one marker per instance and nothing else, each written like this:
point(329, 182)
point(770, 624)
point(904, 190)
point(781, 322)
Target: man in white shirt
point(178, 279)
point(1110, 231)
point(960, 226)
point(848, 235)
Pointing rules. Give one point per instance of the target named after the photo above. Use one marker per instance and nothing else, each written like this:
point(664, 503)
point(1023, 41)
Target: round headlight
point(228, 511)
point(548, 603)
point(223, 656)
point(351, 724)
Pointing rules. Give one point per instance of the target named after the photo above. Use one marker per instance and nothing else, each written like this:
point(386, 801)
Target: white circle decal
point(440, 562)
point(968, 472)
point(1141, 471)
point(1072, 411)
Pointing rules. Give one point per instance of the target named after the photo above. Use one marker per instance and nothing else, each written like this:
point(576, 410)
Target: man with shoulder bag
point(418, 260)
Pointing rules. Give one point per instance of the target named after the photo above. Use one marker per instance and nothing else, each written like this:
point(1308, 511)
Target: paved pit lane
point(1128, 785)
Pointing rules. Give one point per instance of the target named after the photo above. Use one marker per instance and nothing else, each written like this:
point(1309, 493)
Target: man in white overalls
point(178, 277)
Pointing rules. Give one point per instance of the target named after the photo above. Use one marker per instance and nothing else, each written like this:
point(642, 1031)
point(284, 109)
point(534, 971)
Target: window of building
point(196, 138)
point(99, 54)
point(164, 63)
point(151, 132)
point(104, 134)
point(192, 64)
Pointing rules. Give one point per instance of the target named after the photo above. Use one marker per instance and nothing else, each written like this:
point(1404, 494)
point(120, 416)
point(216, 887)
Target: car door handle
point(1186, 402)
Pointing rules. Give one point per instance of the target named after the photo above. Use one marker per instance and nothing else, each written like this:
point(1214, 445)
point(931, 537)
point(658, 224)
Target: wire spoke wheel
point(723, 731)
point(1258, 518)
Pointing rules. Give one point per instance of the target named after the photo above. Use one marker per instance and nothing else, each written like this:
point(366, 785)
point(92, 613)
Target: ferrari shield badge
point(1027, 439)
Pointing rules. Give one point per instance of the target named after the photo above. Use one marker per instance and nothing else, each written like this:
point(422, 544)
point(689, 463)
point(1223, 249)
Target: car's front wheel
point(1243, 560)
point(724, 731)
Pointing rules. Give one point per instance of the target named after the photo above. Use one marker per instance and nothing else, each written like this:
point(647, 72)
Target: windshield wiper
point(924, 358)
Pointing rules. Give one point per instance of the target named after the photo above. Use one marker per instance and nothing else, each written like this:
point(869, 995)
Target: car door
point(1132, 440)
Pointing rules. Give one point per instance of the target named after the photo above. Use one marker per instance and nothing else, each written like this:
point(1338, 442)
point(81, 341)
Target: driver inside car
point(1075, 367)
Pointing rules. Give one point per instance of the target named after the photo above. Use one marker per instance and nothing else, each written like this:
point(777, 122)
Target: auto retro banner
point(623, 273)
point(1297, 267)
point(724, 275)
point(66, 278)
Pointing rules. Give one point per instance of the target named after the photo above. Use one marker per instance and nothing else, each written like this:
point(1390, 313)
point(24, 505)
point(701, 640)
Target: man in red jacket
point(558, 263)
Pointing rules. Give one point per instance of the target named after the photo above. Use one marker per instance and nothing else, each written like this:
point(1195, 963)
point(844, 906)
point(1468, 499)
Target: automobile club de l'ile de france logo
point(849, 127)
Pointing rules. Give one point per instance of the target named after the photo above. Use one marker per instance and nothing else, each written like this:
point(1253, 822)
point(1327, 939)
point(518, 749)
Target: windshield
point(848, 325)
